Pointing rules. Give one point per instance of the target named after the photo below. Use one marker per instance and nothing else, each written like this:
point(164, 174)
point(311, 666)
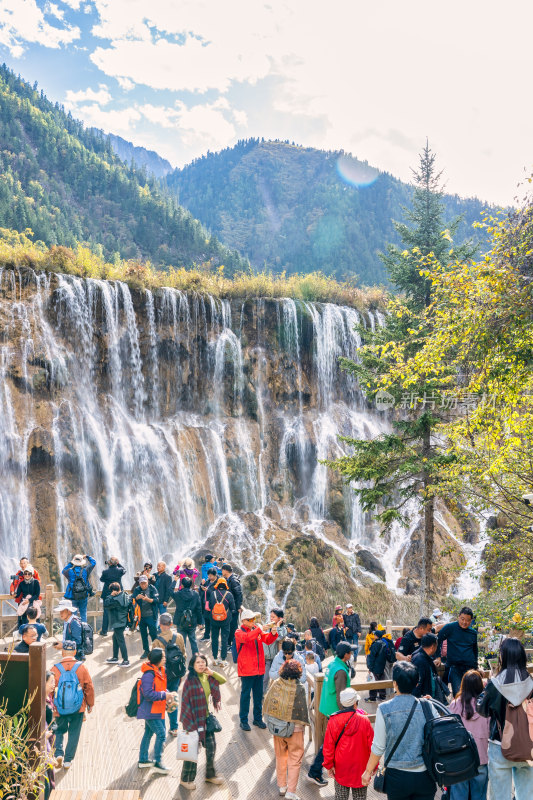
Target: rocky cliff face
point(151, 425)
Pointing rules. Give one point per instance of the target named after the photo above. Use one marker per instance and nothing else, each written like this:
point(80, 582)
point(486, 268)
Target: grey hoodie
point(515, 692)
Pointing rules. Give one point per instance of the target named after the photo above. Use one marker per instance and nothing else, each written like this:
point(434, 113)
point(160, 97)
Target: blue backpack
point(69, 695)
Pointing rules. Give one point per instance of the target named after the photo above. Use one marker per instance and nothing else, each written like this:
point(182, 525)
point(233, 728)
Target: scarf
point(286, 700)
point(194, 710)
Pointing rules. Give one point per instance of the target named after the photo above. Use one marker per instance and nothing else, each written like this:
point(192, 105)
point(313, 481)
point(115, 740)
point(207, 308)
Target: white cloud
point(102, 96)
point(119, 121)
point(73, 4)
point(22, 22)
point(126, 84)
point(200, 127)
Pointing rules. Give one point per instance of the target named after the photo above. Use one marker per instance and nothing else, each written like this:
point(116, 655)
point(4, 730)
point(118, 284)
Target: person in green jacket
point(337, 678)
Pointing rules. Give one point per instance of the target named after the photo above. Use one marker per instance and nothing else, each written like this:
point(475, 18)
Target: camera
point(13, 577)
point(527, 499)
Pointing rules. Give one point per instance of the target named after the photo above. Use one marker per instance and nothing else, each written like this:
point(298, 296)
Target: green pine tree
point(403, 466)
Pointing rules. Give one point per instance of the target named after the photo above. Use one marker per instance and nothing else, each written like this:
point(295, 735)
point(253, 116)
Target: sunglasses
point(27, 573)
point(147, 566)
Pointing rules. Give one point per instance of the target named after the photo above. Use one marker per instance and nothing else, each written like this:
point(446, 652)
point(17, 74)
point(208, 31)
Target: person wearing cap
point(148, 599)
point(205, 590)
point(220, 595)
point(286, 700)
point(81, 566)
point(337, 678)
point(249, 639)
point(19, 576)
point(347, 744)
point(352, 623)
point(117, 604)
point(70, 724)
point(167, 636)
point(234, 585)
point(72, 630)
point(337, 616)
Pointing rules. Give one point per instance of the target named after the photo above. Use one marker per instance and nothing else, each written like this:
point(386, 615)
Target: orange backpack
point(219, 612)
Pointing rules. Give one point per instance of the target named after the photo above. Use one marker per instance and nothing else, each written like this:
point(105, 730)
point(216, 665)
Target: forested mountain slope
point(294, 208)
point(66, 184)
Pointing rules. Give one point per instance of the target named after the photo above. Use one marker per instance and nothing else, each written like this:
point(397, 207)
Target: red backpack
point(219, 611)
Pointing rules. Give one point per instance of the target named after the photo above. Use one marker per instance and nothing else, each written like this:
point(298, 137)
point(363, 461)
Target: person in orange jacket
point(249, 640)
point(152, 698)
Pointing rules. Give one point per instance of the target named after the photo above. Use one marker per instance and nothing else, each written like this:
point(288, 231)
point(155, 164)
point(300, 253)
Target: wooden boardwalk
point(109, 745)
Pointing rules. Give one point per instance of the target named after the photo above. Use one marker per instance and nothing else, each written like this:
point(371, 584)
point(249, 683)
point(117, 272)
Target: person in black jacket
point(206, 587)
point(427, 671)
point(337, 635)
point(380, 652)
point(234, 585)
point(352, 623)
point(146, 596)
point(28, 593)
point(411, 640)
point(116, 605)
point(317, 633)
point(113, 573)
point(163, 584)
point(28, 637)
point(462, 652)
point(220, 594)
point(188, 612)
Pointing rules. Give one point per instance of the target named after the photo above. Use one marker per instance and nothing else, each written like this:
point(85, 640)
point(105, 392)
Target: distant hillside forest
point(289, 208)
point(65, 183)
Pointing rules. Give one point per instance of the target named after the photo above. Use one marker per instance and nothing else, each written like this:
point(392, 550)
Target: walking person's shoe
point(291, 796)
point(144, 655)
point(260, 724)
point(159, 767)
point(124, 664)
point(111, 661)
point(216, 779)
point(282, 790)
point(223, 664)
point(145, 764)
point(173, 732)
point(67, 764)
point(190, 785)
point(245, 726)
point(102, 633)
point(317, 781)
point(59, 762)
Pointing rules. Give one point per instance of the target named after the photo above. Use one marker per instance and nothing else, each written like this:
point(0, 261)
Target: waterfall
point(136, 423)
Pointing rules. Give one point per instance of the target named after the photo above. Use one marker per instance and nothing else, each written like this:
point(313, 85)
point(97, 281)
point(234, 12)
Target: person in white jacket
point(288, 651)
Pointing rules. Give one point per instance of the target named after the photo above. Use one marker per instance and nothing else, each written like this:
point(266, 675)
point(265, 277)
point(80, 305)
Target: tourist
point(172, 643)
point(152, 708)
point(220, 563)
point(113, 573)
point(287, 653)
point(286, 701)
point(337, 617)
point(185, 570)
point(209, 563)
point(235, 588)
point(188, 613)
point(200, 685)
point(308, 648)
point(381, 652)
point(146, 597)
point(32, 615)
point(407, 777)
point(117, 604)
point(511, 685)
point(205, 589)
point(352, 623)
point(222, 608)
point(163, 584)
point(29, 636)
point(336, 679)
point(311, 665)
point(277, 625)
point(338, 634)
point(49, 690)
point(427, 671)
point(251, 667)
point(318, 634)
point(316, 646)
point(72, 630)
point(79, 589)
point(462, 652)
point(370, 637)
point(70, 705)
point(411, 640)
point(437, 618)
point(347, 744)
point(465, 706)
point(28, 594)
point(147, 571)
point(19, 576)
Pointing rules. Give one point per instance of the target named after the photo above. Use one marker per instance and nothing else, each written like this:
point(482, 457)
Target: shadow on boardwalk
point(109, 745)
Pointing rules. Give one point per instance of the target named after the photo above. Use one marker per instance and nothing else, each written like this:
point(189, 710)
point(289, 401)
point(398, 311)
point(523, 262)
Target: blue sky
point(184, 76)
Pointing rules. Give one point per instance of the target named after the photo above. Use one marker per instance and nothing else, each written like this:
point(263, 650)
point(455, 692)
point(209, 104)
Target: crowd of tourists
point(433, 668)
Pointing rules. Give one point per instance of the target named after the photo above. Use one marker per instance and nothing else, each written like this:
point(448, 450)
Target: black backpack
point(80, 590)
point(187, 620)
point(175, 662)
point(450, 751)
point(133, 702)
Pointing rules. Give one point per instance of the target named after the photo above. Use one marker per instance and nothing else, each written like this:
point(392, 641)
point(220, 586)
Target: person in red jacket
point(347, 746)
point(249, 640)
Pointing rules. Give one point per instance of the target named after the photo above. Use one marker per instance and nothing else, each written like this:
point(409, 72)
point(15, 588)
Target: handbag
point(379, 778)
point(188, 746)
point(212, 725)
